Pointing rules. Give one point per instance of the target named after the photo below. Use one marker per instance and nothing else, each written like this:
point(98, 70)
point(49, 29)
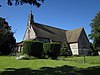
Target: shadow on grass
point(63, 70)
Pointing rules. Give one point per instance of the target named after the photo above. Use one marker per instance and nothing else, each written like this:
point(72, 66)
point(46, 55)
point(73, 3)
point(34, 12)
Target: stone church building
point(76, 39)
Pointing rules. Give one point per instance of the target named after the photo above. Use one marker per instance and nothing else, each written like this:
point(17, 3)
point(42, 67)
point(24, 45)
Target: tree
point(21, 2)
point(7, 41)
point(64, 49)
point(93, 52)
point(95, 31)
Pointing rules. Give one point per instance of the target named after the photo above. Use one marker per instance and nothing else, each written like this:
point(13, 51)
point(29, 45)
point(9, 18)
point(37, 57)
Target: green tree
point(7, 41)
point(21, 2)
point(95, 31)
point(93, 52)
point(64, 49)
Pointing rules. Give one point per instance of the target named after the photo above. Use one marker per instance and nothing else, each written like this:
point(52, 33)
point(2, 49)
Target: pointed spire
point(30, 17)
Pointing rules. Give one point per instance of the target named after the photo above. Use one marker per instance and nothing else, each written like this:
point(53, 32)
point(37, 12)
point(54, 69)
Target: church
point(76, 39)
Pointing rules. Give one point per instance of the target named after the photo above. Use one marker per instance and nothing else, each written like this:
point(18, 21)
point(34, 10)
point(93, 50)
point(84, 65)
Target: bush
point(36, 49)
point(93, 53)
point(65, 50)
point(5, 50)
point(46, 47)
point(52, 49)
point(26, 47)
point(33, 48)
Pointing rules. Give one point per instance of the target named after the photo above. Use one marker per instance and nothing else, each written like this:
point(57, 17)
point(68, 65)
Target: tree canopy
point(7, 40)
point(95, 31)
point(21, 2)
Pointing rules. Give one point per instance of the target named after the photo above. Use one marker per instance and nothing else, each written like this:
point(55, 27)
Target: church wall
point(26, 35)
point(30, 34)
point(83, 45)
point(74, 48)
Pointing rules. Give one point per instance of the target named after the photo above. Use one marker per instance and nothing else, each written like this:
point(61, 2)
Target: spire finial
point(30, 17)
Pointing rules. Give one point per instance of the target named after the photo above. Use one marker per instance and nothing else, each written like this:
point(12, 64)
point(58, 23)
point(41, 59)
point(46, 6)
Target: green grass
point(93, 60)
point(70, 66)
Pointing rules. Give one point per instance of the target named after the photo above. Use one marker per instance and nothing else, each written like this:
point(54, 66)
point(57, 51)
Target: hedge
point(33, 48)
point(52, 49)
point(64, 50)
point(26, 47)
point(37, 49)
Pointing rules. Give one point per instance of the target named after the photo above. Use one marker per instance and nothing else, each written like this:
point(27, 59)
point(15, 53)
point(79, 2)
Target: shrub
point(93, 51)
point(36, 49)
point(5, 50)
point(33, 48)
point(46, 47)
point(65, 50)
point(27, 47)
point(52, 49)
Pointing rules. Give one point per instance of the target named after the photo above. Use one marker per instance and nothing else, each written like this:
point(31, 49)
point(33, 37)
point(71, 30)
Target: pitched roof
point(55, 34)
point(73, 35)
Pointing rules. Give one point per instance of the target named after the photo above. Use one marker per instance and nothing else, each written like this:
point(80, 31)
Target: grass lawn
point(67, 66)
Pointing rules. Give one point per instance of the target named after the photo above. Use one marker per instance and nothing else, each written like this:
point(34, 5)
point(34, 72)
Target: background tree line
point(7, 39)
point(95, 32)
point(36, 3)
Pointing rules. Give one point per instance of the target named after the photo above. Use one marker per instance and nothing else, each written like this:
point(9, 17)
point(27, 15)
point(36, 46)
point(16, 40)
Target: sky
point(64, 14)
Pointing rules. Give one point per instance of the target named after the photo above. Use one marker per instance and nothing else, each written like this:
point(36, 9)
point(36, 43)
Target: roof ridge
point(50, 26)
point(76, 29)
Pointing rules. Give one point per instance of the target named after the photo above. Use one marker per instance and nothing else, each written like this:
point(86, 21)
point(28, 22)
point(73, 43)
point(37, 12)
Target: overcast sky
point(64, 14)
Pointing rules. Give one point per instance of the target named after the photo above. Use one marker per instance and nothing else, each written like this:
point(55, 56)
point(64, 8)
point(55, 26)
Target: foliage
point(7, 40)
point(21, 2)
point(33, 48)
point(52, 49)
point(46, 47)
point(93, 52)
point(95, 31)
point(65, 50)
point(36, 49)
point(26, 47)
